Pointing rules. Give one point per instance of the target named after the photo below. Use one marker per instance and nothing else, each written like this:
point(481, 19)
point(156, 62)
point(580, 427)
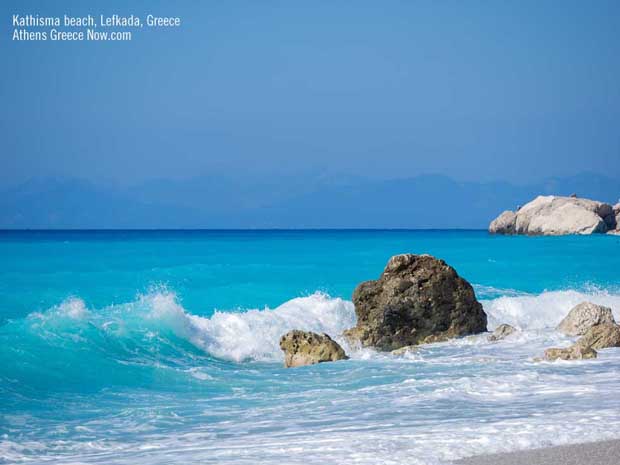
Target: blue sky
point(473, 90)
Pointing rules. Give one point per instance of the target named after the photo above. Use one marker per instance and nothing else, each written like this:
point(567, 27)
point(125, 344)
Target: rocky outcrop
point(554, 216)
point(501, 332)
point(583, 316)
point(574, 352)
point(307, 348)
point(417, 299)
point(601, 337)
point(504, 223)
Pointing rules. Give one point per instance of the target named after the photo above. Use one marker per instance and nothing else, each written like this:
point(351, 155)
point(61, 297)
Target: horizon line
point(5, 230)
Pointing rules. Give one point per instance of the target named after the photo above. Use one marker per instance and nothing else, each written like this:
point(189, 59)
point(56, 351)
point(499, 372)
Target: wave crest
point(236, 336)
point(155, 329)
point(545, 310)
point(255, 334)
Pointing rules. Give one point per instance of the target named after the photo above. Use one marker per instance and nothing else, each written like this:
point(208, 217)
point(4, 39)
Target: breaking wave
point(156, 331)
point(544, 310)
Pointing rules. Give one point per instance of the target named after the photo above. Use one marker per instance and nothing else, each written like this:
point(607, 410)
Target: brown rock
point(307, 348)
point(574, 352)
point(501, 332)
point(601, 336)
point(404, 350)
point(417, 299)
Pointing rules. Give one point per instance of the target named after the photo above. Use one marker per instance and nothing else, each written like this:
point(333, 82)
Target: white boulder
point(504, 223)
point(583, 316)
point(554, 216)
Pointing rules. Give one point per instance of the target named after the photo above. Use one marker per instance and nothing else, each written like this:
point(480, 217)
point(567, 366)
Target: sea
point(161, 347)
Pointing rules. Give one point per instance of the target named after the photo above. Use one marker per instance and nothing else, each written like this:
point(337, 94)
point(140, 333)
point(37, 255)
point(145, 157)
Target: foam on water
point(232, 335)
point(254, 334)
point(545, 310)
point(438, 403)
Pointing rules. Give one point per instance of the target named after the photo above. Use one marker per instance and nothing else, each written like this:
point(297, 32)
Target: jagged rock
point(504, 223)
point(574, 352)
point(601, 336)
point(583, 316)
point(501, 332)
point(552, 215)
point(417, 299)
point(307, 348)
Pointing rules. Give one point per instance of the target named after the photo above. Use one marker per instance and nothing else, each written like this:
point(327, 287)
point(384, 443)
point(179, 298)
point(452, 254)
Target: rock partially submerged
point(501, 332)
point(553, 216)
point(601, 337)
point(404, 350)
point(574, 352)
point(584, 316)
point(598, 327)
point(307, 348)
point(417, 299)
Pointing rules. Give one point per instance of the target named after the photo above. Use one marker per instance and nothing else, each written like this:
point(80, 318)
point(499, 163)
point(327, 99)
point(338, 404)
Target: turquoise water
point(154, 346)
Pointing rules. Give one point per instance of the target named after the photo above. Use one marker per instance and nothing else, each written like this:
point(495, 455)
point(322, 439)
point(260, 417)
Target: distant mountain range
point(428, 201)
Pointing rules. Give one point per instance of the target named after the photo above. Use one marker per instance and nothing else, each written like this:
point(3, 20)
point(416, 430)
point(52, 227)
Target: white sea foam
point(254, 334)
point(439, 403)
point(72, 308)
point(544, 310)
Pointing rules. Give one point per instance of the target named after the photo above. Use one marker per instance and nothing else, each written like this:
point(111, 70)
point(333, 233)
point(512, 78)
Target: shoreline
point(605, 452)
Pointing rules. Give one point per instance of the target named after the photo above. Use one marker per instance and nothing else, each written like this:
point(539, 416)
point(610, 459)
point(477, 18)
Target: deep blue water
point(139, 346)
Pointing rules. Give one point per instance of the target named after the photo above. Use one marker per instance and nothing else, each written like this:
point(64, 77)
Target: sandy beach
point(594, 453)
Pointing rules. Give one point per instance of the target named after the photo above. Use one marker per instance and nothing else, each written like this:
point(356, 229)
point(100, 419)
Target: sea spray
point(149, 374)
point(545, 310)
point(254, 334)
point(156, 329)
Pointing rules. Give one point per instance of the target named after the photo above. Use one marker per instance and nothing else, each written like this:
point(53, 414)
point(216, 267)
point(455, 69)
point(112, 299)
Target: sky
point(474, 90)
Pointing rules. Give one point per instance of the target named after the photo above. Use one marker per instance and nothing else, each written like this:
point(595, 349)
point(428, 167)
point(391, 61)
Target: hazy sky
point(473, 90)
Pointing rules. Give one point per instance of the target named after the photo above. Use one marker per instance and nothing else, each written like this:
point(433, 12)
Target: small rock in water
point(404, 350)
point(501, 332)
point(306, 348)
point(601, 336)
point(574, 352)
point(583, 317)
point(596, 337)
